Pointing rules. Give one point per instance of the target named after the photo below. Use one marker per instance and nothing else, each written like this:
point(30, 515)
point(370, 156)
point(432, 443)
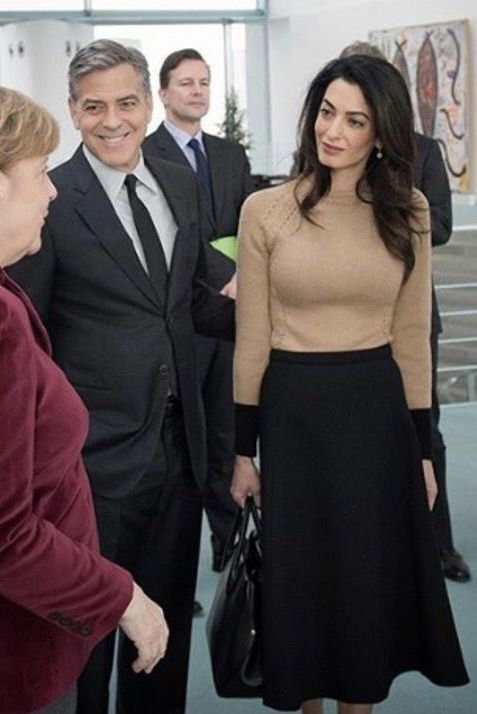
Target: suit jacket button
point(164, 370)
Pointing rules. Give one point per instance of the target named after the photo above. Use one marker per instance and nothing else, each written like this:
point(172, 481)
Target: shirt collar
point(112, 180)
point(182, 137)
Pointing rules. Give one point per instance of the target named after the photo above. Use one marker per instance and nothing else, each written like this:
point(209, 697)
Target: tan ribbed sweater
point(325, 288)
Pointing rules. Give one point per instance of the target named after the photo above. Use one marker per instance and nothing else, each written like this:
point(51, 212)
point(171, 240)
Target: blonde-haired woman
point(58, 596)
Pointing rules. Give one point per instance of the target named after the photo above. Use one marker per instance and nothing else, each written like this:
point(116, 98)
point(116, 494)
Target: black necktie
point(153, 252)
point(203, 169)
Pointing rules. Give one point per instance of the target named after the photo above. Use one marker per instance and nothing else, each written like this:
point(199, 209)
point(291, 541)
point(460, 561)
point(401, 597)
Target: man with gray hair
point(122, 281)
point(430, 177)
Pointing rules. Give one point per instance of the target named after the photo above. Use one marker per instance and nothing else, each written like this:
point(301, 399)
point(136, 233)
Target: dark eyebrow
point(362, 114)
point(92, 100)
point(127, 97)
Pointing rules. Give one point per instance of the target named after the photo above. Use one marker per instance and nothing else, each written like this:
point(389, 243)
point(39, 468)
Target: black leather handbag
point(233, 624)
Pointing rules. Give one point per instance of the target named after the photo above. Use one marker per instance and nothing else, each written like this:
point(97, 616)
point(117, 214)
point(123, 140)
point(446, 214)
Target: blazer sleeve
point(42, 569)
point(411, 329)
point(213, 314)
point(214, 269)
point(435, 187)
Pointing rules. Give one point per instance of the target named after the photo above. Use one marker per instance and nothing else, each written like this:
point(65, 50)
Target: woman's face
point(25, 194)
point(344, 129)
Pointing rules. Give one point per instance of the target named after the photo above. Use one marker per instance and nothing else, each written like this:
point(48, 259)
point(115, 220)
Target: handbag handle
point(240, 529)
point(242, 514)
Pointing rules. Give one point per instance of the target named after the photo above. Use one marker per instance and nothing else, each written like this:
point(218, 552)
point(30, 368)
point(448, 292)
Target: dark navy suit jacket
point(230, 176)
point(108, 326)
point(430, 177)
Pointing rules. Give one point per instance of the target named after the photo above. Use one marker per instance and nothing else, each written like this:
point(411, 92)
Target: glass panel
point(239, 70)
point(237, 78)
point(157, 41)
point(177, 5)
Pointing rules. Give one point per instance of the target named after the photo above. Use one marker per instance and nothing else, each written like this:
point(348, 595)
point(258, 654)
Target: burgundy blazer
point(58, 596)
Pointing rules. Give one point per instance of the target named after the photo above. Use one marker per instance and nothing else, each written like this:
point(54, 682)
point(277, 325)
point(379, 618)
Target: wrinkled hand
point(144, 623)
point(245, 481)
point(430, 481)
point(230, 289)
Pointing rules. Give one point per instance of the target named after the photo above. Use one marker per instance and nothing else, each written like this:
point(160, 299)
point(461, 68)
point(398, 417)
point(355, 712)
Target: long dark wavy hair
point(387, 182)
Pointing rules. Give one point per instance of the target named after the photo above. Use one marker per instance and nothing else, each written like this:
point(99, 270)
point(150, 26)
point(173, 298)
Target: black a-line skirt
point(353, 592)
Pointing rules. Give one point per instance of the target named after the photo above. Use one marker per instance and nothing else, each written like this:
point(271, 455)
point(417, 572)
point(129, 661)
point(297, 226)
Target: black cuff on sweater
point(423, 424)
point(246, 429)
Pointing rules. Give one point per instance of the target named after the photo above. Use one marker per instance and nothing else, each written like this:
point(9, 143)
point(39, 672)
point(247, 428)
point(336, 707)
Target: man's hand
point(230, 289)
point(144, 623)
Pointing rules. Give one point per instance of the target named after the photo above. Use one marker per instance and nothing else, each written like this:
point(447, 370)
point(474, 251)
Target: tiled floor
point(411, 693)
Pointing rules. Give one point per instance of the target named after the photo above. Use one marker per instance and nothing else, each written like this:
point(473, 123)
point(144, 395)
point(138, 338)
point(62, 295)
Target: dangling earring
point(379, 154)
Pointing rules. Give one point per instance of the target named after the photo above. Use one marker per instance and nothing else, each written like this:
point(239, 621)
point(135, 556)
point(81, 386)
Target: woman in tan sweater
point(332, 374)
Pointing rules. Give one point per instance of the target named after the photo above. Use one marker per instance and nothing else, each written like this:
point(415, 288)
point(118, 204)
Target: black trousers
point(215, 372)
point(154, 532)
point(441, 513)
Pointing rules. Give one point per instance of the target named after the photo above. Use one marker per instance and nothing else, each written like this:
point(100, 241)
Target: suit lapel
point(174, 193)
point(167, 147)
point(164, 146)
point(98, 213)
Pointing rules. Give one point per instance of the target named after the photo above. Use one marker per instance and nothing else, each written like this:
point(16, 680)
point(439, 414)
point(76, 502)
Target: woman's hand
point(430, 481)
point(245, 481)
point(143, 622)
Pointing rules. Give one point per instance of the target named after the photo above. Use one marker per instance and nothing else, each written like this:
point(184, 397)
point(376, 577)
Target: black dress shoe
point(197, 610)
point(454, 566)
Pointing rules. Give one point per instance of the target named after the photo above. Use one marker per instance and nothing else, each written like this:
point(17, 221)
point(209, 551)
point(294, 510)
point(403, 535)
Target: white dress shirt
point(182, 139)
point(150, 194)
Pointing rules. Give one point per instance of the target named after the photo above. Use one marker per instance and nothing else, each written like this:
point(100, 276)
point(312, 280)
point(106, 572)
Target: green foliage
point(232, 128)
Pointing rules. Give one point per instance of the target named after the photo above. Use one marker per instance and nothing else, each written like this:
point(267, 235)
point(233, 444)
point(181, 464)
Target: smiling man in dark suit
point(122, 281)
point(224, 174)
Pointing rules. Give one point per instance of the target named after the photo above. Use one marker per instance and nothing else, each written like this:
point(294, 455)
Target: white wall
point(304, 34)
point(41, 70)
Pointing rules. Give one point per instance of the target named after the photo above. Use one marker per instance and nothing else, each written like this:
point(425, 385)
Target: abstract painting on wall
point(434, 61)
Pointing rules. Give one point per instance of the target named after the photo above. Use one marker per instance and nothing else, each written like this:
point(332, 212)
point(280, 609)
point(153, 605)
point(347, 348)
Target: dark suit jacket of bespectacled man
point(127, 346)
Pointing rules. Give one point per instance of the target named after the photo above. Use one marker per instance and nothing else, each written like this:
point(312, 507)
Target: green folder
point(226, 245)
